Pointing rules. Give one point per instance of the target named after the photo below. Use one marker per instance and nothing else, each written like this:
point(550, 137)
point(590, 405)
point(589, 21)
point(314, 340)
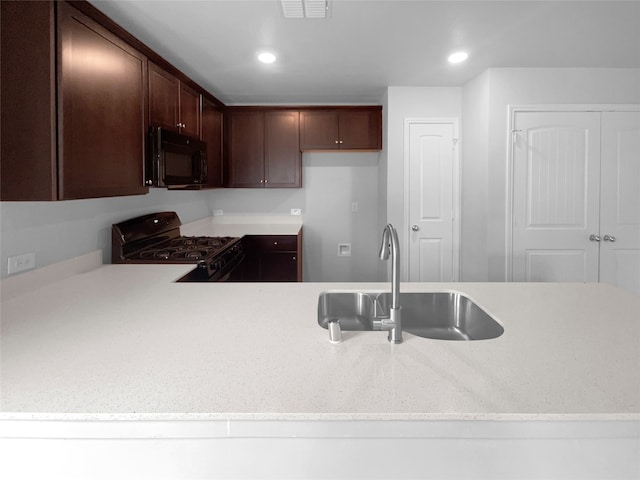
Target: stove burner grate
point(186, 248)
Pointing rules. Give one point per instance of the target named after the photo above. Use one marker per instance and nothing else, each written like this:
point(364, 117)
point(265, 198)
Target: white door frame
point(456, 193)
point(512, 111)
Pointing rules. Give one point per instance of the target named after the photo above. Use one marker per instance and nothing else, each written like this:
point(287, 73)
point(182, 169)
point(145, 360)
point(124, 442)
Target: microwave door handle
point(203, 166)
point(205, 172)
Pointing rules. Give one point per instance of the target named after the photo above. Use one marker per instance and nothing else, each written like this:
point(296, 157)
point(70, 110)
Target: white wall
point(528, 86)
point(333, 182)
point(474, 184)
point(275, 201)
point(57, 231)
point(403, 103)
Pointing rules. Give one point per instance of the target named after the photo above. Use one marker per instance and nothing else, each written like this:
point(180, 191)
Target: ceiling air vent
point(305, 8)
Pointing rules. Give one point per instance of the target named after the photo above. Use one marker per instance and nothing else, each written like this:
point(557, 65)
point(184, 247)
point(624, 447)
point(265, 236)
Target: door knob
point(415, 228)
point(594, 238)
point(609, 238)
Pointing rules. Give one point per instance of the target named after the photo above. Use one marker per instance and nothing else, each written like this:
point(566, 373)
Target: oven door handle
point(223, 274)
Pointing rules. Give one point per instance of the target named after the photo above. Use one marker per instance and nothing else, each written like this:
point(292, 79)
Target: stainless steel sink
point(444, 316)
point(439, 315)
point(354, 311)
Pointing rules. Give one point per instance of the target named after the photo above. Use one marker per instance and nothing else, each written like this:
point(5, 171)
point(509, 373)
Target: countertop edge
point(383, 417)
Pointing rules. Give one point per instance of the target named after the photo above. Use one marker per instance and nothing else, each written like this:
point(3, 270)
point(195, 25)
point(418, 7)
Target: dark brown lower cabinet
point(271, 258)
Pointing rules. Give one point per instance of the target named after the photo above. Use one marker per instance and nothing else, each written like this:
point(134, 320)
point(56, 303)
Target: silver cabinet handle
point(594, 238)
point(609, 238)
point(415, 228)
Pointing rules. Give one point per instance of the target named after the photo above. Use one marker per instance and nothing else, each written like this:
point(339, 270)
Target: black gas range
point(156, 238)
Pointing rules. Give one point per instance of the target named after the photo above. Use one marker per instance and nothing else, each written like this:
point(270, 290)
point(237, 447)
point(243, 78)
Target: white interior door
point(556, 175)
point(620, 200)
point(432, 253)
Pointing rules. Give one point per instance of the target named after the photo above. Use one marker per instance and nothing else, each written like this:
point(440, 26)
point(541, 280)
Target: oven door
point(218, 274)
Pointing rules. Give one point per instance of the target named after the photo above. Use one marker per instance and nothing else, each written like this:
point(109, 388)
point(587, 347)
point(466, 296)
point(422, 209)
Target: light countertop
point(125, 341)
point(240, 225)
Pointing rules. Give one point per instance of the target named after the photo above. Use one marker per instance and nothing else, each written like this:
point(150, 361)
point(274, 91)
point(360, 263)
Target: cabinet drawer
point(276, 243)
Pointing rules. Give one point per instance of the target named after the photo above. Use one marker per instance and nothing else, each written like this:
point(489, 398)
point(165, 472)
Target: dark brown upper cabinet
point(74, 103)
point(212, 131)
point(341, 128)
point(173, 104)
point(263, 148)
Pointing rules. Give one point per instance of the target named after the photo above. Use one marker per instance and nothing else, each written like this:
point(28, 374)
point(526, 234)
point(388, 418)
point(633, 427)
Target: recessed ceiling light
point(266, 57)
point(458, 57)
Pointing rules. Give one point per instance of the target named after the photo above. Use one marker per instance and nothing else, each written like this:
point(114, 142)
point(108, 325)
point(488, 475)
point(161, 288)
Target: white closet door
point(431, 202)
point(556, 175)
point(620, 200)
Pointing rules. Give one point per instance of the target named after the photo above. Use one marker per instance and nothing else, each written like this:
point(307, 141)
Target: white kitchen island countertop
point(125, 342)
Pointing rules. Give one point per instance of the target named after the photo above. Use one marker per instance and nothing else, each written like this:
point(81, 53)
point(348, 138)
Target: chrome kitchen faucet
point(391, 247)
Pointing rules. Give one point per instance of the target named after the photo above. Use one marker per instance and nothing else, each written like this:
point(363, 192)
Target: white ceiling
point(366, 45)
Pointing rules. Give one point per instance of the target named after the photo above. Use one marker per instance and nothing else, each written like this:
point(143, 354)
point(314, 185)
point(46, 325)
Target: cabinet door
point(360, 129)
point(282, 149)
point(212, 135)
point(28, 155)
point(346, 128)
point(279, 267)
point(101, 110)
point(246, 149)
point(274, 258)
point(319, 130)
point(189, 111)
point(164, 107)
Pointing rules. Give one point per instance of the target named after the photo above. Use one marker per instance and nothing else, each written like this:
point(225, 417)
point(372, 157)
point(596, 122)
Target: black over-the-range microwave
point(175, 160)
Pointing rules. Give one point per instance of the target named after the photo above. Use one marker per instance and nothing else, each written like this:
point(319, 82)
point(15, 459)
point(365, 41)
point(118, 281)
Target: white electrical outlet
point(20, 263)
point(354, 207)
point(218, 213)
point(296, 211)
